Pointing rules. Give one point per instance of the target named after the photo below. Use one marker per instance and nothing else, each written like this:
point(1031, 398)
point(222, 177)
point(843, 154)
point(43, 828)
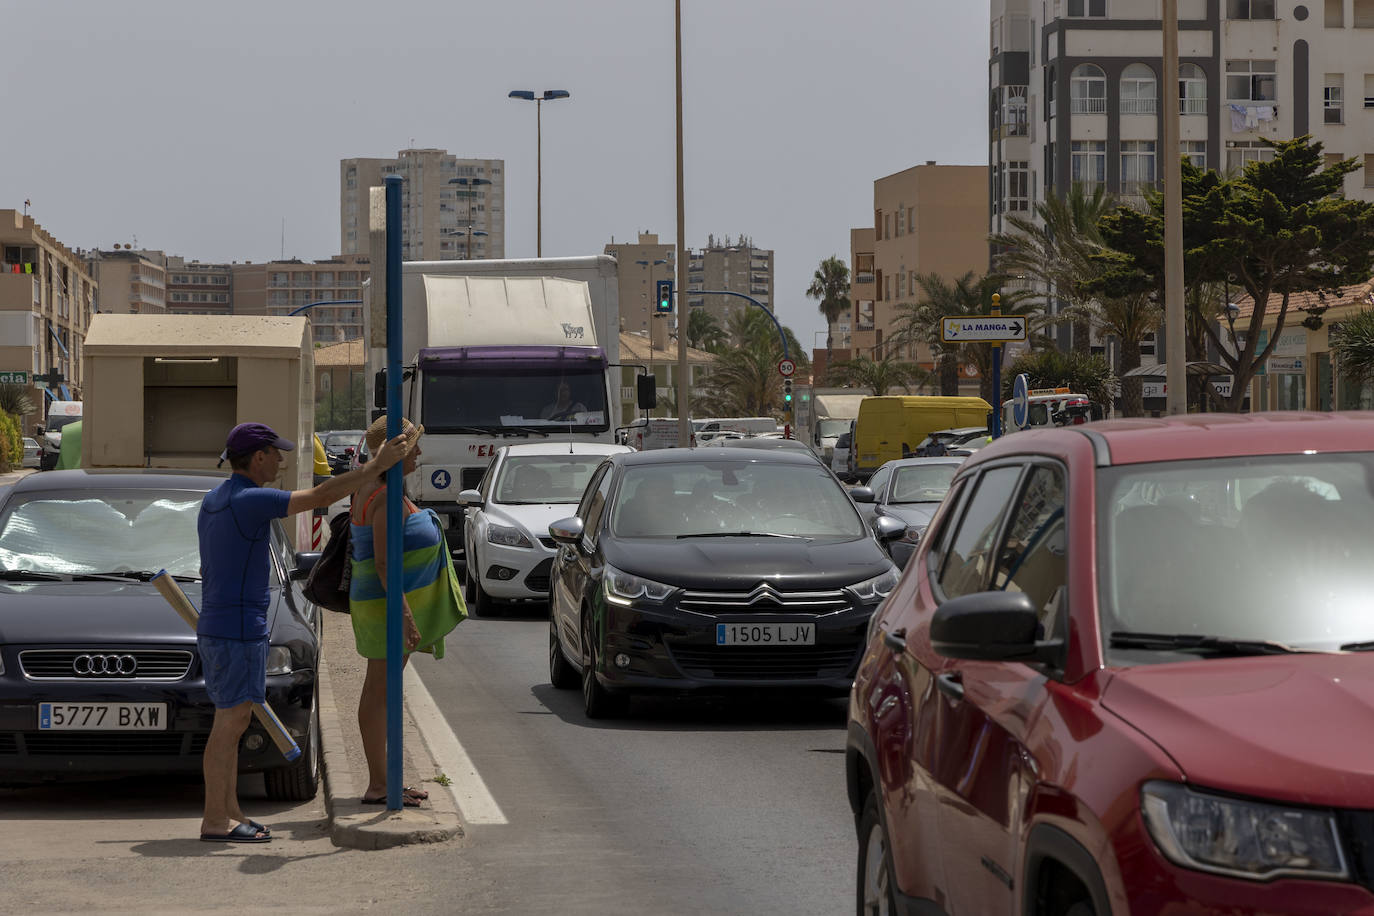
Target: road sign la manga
point(984, 328)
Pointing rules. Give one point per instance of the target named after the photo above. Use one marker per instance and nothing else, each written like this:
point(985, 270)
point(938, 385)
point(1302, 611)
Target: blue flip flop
point(243, 833)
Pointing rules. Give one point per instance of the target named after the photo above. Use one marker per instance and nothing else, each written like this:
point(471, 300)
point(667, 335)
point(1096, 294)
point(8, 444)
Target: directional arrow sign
point(984, 328)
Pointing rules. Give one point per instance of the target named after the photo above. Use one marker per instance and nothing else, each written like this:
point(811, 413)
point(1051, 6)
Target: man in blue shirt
point(234, 527)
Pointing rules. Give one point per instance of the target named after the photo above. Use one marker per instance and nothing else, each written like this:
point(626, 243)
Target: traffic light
point(787, 393)
point(664, 306)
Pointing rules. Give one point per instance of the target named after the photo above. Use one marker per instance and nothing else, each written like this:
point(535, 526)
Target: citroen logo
point(91, 665)
point(765, 592)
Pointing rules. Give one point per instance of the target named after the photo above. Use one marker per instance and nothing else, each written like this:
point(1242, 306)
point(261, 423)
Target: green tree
point(1083, 373)
point(923, 321)
point(343, 409)
point(11, 443)
point(881, 375)
point(704, 331)
point(745, 381)
point(15, 399)
point(830, 287)
point(1055, 248)
point(1353, 349)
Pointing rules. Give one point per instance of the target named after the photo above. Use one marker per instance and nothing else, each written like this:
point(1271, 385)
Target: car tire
point(300, 779)
point(874, 891)
point(562, 675)
point(482, 604)
point(597, 701)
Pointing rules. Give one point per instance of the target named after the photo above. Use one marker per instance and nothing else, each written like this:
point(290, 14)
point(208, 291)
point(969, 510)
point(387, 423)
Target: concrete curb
point(358, 826)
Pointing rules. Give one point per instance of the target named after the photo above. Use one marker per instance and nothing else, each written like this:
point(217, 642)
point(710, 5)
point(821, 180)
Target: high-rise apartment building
point(1075, 90)
point(641, 264)
point(735, 266)
point(129, 282)
point(451, 208)
point(279, 287)
point(47, 296)
point(928, 219)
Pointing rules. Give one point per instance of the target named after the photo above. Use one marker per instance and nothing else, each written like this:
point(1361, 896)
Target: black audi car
point(99, 676)
point(704, 569)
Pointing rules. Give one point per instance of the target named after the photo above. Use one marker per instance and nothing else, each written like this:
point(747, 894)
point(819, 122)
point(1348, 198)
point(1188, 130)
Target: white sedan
point(33, 452)
point(528, 486)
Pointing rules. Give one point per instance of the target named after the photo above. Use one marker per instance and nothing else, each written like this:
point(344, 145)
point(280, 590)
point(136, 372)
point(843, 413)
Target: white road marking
point(475, 802)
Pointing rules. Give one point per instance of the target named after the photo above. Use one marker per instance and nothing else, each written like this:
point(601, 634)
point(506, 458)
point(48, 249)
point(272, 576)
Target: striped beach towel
point(430, 584)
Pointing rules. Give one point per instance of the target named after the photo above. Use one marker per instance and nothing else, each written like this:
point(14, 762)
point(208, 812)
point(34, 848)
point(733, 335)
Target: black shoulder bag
point(327, 584)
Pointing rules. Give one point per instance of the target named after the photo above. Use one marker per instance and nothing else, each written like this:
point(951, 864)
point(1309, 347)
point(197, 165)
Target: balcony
point(1138, 106)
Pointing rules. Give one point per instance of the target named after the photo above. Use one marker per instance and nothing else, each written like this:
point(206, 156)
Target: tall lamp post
point(469, 184)
point(1175, 338)
point(550, 95)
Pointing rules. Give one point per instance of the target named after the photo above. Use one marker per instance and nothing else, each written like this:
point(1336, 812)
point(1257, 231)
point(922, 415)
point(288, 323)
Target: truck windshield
point(828, 428)
point(57, 421)
point(511, 400)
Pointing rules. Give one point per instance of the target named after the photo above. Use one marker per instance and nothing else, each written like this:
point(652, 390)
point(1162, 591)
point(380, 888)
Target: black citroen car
point(704, 569)
point(99, 676)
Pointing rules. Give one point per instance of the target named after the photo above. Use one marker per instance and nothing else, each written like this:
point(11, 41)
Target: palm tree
point(1130, 318)
point(745, 381)
point(1055, 249)
point(1353, 349)
point(704, 331)
point(923, 321)
point(880, 375)
point(830, 286)
point(15, 399)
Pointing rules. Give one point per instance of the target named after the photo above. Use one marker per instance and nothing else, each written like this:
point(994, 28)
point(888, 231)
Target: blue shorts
point(235, 670)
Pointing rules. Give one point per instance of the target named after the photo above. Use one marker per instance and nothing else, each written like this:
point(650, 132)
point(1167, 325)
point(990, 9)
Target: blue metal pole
point(394, 522)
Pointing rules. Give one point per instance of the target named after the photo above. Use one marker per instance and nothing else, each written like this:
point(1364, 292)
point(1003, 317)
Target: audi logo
point(104, 665)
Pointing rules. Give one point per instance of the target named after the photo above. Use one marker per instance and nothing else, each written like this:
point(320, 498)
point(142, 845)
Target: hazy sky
point(197, 128)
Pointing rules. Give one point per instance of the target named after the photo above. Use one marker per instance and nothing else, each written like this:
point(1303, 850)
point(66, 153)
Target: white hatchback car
point(526, 487)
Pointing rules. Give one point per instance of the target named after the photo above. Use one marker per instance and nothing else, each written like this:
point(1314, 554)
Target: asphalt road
point(684, 807)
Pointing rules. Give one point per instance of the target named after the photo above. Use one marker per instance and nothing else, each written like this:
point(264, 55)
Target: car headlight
point(624, 589)
point(1243, 839)
point(877, 588)
point(279, 660)
point(507, 537)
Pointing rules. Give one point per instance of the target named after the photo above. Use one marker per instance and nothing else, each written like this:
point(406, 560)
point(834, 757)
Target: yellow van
point(890, 426)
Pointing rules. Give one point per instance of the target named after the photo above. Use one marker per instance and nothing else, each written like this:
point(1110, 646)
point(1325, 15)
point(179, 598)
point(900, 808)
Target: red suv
point(1127, 671)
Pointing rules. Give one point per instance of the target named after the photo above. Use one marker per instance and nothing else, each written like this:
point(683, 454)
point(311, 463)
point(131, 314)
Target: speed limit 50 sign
point(786, 367)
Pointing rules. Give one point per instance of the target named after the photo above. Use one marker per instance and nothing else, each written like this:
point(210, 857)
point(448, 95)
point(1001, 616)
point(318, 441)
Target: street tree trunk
point(1132, 404)
point(949, 374)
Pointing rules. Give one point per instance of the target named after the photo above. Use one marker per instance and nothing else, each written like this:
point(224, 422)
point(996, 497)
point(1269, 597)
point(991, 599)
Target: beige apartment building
point(641, 264)
point(194, 288)
point(451, 208)
point(279, 287)
point(736, 266)
point(47, 297)
point(926, 219)
point(129, 282)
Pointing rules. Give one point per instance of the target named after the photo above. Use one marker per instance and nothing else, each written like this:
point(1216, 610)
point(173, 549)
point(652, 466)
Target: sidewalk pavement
point(352, 823)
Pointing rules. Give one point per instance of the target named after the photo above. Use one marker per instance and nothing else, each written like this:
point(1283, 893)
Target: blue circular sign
point(441, 479)
point(1020, 401)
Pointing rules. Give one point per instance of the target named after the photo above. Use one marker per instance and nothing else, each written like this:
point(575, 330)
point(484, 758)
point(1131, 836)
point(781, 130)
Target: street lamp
point(650, 265)
point(550, 95)
point(469, 184)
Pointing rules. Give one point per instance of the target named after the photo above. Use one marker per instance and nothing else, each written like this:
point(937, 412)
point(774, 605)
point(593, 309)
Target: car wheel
point(597, 701)
point(300, 779)
point(482, 605)
point(874, 891)
point(561, 672)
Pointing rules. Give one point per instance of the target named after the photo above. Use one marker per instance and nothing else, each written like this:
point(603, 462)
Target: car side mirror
point(567, 531)
point(889, 528)
point(992, 626)
point(471, 498)
point(305, 561)
point(863, 495)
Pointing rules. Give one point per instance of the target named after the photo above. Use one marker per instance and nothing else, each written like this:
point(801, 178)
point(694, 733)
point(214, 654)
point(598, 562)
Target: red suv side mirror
point(991, 626)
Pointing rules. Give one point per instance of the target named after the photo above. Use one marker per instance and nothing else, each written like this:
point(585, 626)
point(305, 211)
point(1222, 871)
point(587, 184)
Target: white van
point(747, 426)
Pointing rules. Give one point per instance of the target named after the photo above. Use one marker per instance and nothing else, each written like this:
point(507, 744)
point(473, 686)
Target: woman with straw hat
point(432, 603)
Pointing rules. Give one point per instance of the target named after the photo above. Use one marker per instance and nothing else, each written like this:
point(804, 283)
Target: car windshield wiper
point(742, 534)
point(1189, 642)
point(29, 575)
point(138, 575)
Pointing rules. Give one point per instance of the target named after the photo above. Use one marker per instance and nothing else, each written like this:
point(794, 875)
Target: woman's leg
point(372, 724)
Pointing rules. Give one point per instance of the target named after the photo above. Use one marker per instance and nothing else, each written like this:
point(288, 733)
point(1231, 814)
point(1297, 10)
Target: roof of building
point(638, 347)
point(350, 353)
point(196, 335)
point(1359, 294)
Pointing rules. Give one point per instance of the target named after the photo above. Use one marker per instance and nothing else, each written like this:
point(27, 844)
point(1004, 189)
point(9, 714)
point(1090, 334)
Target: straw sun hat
point(376, 434)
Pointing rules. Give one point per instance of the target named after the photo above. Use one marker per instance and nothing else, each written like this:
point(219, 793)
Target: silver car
point(33, 452)
point(909, 490)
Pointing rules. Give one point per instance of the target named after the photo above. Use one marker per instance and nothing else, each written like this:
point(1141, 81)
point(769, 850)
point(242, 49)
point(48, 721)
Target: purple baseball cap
point(249, 437)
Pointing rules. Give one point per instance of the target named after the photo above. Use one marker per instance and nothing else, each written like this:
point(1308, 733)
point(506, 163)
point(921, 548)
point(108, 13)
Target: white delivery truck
point(60, 413)
point(498, 352)
point(830, 417)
